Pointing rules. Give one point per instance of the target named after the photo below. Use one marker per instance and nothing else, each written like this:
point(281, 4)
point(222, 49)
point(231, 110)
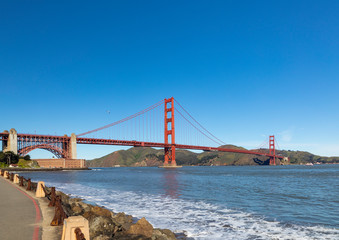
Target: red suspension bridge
point(161, 125)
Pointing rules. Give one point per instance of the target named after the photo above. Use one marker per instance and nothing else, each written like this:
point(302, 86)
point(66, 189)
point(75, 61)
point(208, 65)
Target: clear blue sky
point(244, 69)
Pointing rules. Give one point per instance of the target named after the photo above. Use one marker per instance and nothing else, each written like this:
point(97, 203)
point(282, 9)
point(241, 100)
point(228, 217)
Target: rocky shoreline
point(105, 224)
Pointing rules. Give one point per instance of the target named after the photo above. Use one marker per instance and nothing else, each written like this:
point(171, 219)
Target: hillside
point(142, 157)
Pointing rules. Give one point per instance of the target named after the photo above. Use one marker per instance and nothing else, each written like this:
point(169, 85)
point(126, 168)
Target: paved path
point(19, 213)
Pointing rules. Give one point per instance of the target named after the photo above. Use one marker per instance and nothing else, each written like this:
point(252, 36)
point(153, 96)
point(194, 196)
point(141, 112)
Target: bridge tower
point(12, 142)
point(169, 133)
point(73, 147)
point(272, 150)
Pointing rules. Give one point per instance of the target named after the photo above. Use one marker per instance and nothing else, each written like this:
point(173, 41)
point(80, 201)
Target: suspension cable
point(220, 141)
point(196, 127)
point(123, 120)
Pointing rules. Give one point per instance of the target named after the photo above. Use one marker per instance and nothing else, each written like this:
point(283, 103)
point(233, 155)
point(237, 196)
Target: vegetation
point(300, 157)
point(8, 158)
point(27, 163)
point(141, 156)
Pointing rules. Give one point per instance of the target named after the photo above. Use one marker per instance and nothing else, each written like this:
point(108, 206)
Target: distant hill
point(297, 157)
point(142, 157)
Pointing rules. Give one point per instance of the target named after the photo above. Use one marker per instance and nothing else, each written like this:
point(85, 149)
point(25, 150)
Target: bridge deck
point(98, 141)
point(162, 145)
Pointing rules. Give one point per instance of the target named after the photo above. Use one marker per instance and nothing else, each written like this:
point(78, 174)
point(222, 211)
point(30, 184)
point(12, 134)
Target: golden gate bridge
point(161, 125)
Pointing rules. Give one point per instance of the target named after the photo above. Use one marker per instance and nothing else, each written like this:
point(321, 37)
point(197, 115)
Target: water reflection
point(170, 181)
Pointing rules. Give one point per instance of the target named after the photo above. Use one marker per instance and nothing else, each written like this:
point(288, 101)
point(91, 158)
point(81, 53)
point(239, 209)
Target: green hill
point(142, 157)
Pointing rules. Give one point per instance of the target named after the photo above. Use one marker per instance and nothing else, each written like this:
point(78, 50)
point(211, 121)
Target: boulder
point(102, 237)
point(64, 198)
point(101, 225)
point(104, 225)
point(142, 227)
point(77, 210)
point(85, 206)
point(124, 236)
point(163, 234)
point(123, 220)
point(101, 211)
point(72, 201)
point(68, 209)
point(89, 215)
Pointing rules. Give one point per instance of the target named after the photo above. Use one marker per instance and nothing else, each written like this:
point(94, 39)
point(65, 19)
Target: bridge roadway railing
point(162, 145)
point(61, 139)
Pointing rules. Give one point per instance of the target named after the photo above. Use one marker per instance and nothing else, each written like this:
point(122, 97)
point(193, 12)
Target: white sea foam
point(198, 219)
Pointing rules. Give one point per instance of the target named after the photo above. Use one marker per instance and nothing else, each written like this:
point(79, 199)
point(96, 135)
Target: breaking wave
point(197, 219)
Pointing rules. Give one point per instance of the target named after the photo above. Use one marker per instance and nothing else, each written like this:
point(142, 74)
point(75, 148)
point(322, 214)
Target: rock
point(64, 198)
point(142, 227)
point(101, 225)
point(157, 235)
point(102, 237)
point(72, 201)
point(163, 234)
point(67, 208)
point(34, 185)
point(101, 211)
point(88, 215)
point(104, 225)
point(84, 206)
point(124, 236)
point(76, 210)
point(123, 220)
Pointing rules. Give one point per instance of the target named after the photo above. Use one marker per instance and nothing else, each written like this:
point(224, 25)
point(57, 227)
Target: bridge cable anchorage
point(123, 120)
point(220, 141)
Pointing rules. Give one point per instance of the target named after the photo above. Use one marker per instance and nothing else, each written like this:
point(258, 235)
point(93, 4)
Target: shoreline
point(73, 193)
point(15, 169)
point(104, 224)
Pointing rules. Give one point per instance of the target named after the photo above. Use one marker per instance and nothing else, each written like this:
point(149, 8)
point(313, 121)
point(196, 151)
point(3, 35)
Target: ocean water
point(231, 202)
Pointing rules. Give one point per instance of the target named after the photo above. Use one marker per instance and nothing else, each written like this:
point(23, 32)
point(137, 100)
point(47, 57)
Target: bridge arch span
point(58, 152)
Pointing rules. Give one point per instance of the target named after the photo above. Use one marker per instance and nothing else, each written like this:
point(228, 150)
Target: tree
point(9, 157)
point(2, 157)
point(27, 157)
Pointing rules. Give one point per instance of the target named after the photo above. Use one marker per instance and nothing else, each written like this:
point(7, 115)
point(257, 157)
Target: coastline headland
point(103, 223)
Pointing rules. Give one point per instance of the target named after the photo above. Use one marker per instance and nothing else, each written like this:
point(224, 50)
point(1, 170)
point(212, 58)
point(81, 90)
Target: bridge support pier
point(73, 147)
point(12, 143)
